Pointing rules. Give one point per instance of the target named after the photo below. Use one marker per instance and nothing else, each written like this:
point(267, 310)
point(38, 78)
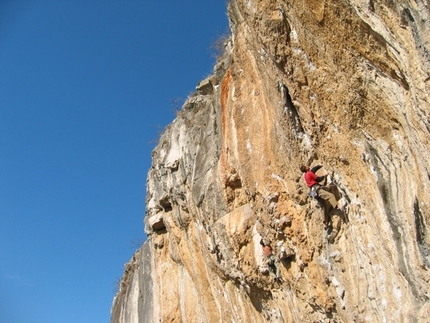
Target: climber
point(320, 191)
point(272, 262)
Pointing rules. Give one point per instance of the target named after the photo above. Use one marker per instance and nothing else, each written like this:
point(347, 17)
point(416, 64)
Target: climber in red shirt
point(272, 261)
point(310, 175)
point(313, 182)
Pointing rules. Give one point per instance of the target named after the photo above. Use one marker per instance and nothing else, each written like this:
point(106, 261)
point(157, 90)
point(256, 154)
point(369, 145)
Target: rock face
point(342, 83)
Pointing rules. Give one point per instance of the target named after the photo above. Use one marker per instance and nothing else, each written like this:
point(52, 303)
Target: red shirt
point(310, 178)
point(267, 250)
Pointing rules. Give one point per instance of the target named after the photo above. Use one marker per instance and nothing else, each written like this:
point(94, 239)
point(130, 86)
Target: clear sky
point(86, 86)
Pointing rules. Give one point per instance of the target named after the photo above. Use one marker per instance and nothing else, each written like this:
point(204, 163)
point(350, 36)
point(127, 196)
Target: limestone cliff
point(342, 83)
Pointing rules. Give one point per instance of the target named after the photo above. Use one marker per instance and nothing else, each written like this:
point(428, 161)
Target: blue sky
point(85, 89)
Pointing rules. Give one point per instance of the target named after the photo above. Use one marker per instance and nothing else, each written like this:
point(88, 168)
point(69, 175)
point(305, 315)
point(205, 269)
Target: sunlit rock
point(340, 83)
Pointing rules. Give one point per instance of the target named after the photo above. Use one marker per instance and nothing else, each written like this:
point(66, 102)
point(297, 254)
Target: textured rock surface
point(341, 83)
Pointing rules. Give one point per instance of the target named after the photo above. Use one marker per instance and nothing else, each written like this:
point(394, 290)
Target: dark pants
point(273, 265)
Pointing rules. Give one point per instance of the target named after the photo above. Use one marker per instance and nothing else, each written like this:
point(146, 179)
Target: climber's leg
point(327, 196)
